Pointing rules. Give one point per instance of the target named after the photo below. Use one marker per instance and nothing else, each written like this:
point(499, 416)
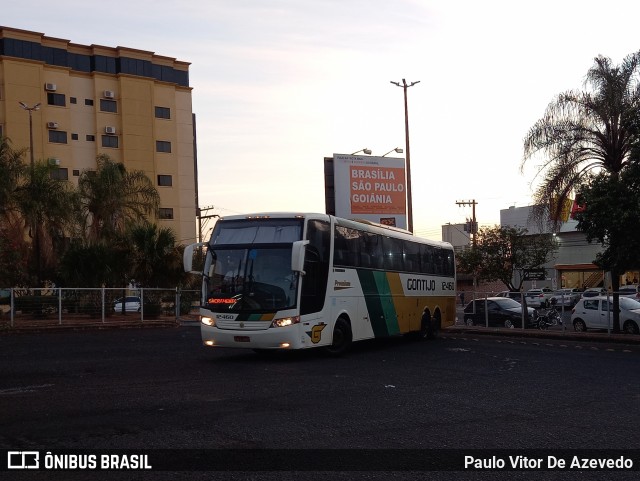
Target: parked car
point(502, 312)
point(593, 292)
point(131, 304)
point(5, 295)
point(630, 290)
point(539, 297)
point(566, 297)
point(515, 295)
point(594, 313)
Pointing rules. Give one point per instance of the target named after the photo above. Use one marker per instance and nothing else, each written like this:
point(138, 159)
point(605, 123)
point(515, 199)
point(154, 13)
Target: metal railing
point(50, 306)
point(474, 309)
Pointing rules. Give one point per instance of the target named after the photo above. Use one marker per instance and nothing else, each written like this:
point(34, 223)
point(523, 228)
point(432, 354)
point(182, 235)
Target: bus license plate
point(241, 338)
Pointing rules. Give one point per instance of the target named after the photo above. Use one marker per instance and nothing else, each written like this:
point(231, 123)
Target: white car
point(595, 313)
point(538, 297)
point(566, 297)
point(131, 304)
point(594, 291)
point(630, 290)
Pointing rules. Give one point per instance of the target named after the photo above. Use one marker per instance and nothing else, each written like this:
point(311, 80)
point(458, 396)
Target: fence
point(78, 306)
point(521, 310)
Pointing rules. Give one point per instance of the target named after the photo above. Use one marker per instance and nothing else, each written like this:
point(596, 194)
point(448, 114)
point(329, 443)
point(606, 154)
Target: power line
point(473, 228)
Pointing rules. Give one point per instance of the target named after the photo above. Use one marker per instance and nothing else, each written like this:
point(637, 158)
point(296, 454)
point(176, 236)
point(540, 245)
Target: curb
point(565, 335)
point(78, 326)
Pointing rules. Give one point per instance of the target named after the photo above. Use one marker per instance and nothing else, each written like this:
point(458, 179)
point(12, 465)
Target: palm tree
point(113, 197)
point(157, 261)
point(12, 167)
point(46, 207)
point(586, 132)
point(13, 248)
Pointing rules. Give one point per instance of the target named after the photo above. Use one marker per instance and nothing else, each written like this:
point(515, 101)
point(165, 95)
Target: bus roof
point(360, 224)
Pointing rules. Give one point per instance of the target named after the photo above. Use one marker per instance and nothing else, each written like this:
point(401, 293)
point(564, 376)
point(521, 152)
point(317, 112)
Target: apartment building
point(133, 105)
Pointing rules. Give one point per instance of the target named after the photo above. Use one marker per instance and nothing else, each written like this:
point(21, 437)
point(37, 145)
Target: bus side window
point(314, 282)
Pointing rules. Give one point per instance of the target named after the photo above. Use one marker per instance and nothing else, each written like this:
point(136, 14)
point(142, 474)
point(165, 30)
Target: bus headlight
point(285, 321)
point(209, 321)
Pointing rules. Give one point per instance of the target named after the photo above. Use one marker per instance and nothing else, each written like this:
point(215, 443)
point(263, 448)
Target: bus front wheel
point(342, 337)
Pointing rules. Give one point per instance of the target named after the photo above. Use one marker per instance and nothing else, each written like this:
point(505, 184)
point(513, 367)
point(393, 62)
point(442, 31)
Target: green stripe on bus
point(377, 296)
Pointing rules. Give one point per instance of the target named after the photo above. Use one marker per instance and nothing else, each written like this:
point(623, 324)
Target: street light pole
point(30, 110)
point(405, 86)
point(34, 225)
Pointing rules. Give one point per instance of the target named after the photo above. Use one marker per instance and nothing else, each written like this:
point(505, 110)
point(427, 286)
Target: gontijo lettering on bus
point(427, 284)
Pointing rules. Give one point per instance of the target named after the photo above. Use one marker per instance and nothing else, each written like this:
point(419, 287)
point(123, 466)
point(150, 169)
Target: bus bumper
point(284, 338)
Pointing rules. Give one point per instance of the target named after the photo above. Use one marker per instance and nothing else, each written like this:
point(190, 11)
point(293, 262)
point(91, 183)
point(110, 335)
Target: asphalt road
point(160, 389)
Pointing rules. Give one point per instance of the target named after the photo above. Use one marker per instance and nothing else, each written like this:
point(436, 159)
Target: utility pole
point(200, 217)
point(474, 223)
point(405, 86)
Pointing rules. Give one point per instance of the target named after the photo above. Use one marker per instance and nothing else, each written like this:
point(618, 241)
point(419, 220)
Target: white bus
point(295, 281)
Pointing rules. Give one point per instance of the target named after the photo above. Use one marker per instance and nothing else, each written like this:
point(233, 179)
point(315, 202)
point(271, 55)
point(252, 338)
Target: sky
point(280, 84)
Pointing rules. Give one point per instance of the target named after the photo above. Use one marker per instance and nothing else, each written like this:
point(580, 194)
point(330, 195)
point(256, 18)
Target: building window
point(56, 99)
point(74, 136)
point(165, 180)
point(110, 141)
point(163, 113)
point(76, 173)
point(88, 102)
point(91, 138)
point(57, 137)
point(108, 106)
point(163, 146)
point(165, 213)
point(73, 100)
point(60, 174)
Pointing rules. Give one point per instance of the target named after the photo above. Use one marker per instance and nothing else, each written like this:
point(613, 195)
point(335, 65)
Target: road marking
point(536, 343)
point(23, 389)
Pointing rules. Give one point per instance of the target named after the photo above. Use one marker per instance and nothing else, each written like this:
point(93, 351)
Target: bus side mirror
point(187, 257)
point(297, 256)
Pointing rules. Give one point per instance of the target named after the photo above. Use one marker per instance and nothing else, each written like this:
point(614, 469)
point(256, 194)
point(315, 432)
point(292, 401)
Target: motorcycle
point(545, 318)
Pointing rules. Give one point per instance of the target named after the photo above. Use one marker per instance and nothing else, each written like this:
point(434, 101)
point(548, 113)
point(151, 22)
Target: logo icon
point(23, 459)
point(316, 332)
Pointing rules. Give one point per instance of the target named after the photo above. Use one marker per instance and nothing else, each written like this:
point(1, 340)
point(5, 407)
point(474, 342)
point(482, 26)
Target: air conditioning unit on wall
point(110, 130)
point(52, 125)
point(50, 87)
point(109, 94)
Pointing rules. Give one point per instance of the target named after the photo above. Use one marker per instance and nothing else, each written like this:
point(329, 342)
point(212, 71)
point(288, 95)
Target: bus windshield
point(248, 266)
point(255, 279)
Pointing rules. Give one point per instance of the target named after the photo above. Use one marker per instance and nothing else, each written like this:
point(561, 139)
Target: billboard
point(370, 188)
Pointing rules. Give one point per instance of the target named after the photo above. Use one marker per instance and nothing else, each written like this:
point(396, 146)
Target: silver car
point(566, 297)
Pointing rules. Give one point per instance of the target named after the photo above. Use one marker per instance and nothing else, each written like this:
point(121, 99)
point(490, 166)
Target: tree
point(156, 260)
point(500, 252)
point(112, 198)
point(99, 264)
point(13, 248)
point(610, 210)
point(46, 207)
point(12, 167)
point(582, 132)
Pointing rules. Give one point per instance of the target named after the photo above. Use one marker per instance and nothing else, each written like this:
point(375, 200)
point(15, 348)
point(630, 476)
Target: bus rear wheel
point(433, 326)
point(342, 338)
